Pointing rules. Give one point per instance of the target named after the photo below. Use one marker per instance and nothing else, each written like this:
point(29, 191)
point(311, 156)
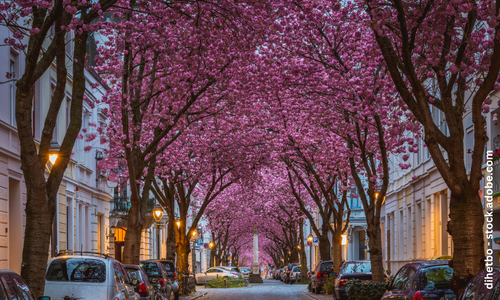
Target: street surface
point(269, 290)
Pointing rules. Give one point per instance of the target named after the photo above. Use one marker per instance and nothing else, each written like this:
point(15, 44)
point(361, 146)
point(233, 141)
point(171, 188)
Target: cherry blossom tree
point(444, 58)
point(38, 30)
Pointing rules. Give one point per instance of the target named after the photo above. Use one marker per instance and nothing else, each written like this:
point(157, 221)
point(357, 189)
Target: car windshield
point(151, 269)
point(134, 275)
point(436, 277)
point(357, 267)
point(236, 270)
point(76, 270)
point(326, 267)
point(296, 269)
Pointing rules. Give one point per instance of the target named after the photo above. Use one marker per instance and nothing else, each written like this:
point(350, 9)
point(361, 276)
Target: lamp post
point(193, 253)
point(112, 231)
point(158, 215)
point(211, 245)
point(310, 239)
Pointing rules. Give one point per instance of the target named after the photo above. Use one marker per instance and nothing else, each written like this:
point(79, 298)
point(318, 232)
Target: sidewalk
point(317, 296)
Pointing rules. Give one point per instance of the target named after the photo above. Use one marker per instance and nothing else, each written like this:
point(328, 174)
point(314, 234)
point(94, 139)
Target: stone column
point(255, 276)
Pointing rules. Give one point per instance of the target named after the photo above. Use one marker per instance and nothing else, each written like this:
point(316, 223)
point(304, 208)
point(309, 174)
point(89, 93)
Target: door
point(10, 288)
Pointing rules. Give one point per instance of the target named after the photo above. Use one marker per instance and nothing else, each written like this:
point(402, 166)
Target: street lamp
point(298, 247)
point(211, 245)
point(158, 215)
point(53, 153)
point(178, 223)
point(310, 238)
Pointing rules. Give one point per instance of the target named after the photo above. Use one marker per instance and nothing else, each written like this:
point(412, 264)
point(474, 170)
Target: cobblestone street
point(269, 290)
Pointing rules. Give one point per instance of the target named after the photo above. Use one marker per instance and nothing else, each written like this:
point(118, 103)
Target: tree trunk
point(171, 240)
point(375, 246)
point(132, 247)
point(37, 236)
point(324, 247)
point(466, 220)
point(337, 251)
point(303, 258)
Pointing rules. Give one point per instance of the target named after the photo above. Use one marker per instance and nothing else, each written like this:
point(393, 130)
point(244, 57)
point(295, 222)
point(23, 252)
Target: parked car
point(476, 288)
point(157, 276)
point(140, 281)
point(289, 268)
point(171, 275)
point(295, 274)
point(87, 275)
point(246, 272)
point(234, 270)
point(14, 286)
point(418, 279)
point(317, 276)
point(214, 273)
point(356, 269)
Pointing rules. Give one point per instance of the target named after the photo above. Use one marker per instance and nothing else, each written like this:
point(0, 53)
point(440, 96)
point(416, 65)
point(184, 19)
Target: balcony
point(121, 204)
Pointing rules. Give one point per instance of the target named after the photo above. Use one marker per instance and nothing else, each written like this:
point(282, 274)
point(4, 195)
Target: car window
point(357, 267)
point(134, 275)
point(151, 269)
point(124, 272)
point(236, 270)
point(435, 277)
point(77, 270)
point(10, 287)
point(326, 267)
point(410, 274)
point(168, 267)
point(485, 292)
point(495, 292)
point(211, 271)
point(296, 269)
point(23, 288)
point(399, 280)
point(120, 277)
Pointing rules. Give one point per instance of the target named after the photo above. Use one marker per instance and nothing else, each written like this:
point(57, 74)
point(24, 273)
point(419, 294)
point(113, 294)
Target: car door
point(128, 284)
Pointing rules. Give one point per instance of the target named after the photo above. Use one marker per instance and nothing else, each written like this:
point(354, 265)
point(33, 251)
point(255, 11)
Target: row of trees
point(314, 94)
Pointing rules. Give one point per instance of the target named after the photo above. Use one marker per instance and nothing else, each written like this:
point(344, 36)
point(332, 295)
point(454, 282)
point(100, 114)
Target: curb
point(315, 297)
point(196, 295)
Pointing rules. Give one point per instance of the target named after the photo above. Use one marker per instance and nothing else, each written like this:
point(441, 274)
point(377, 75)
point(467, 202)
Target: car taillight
point(161, 282)
point(342, 282)
point(235, 274)
point(175, 276)
point(418, 296)
point(143, 290)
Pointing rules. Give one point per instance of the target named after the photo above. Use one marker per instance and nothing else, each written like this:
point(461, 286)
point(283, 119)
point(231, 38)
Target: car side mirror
point(388, 272)
point(44, 298)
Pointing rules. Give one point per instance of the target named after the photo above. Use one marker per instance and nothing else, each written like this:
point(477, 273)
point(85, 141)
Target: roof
point(132, 266)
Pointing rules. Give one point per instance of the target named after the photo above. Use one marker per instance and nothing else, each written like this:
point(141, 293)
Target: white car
point(246, 272)
point(87, 275)
point(214, 273)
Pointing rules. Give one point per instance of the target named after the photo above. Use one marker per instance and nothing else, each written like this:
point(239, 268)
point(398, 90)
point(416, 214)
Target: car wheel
point(317, 290)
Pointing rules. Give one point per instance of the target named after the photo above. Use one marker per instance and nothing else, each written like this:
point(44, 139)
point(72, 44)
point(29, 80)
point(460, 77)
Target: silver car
point(224, 272)
point(87, 276)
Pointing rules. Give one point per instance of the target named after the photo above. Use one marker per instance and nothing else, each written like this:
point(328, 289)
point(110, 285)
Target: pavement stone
point(269, 290)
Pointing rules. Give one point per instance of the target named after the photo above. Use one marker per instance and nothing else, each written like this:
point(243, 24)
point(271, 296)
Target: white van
point(87, 276)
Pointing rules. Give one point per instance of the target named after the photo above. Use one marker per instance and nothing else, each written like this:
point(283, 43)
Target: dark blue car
point(418, 279)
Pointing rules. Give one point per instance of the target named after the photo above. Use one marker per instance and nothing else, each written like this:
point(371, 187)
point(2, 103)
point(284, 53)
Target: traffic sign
point(315, 240)
point(197, 248)
point(199, 242)
point(309, 243)
point(205, 245)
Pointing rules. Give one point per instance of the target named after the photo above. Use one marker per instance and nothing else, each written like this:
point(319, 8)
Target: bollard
point(225, 286)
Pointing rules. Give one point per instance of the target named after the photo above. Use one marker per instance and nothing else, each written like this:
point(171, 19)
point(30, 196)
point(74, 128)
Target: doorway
point(15, 230)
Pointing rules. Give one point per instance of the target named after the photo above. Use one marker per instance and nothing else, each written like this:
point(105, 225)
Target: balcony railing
point(122, 204)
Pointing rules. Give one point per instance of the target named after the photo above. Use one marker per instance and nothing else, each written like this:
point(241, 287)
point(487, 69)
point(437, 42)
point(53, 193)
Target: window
point(410, 275)
point(120, 277)
point(435, 277)
point(419, 153)
point(399, 280)
point(134, 275)
point(10, 288)
point(12, 95)
point(69, 44)
point(76, 270)
point(55, 132)
point(151, 269)
point(23, 288)
point(68, 110)
point(326, 267)
point(358, 267)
